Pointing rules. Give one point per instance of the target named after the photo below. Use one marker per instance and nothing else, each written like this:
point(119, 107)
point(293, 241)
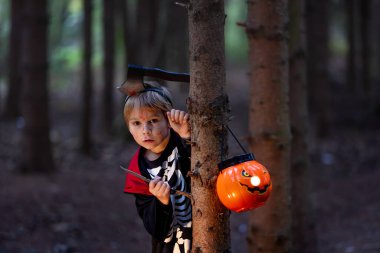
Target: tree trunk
point(352, 17)
point(146, 33)
point(87, 79)
point(177, 43)
point(177, 40)
point(108, 65)
point(270, 225)
point(303, 226)
point(376, 54)
point(36, 147)
point(365, 23)
point(59, 11)
point(317, 63)
point(131, 34)
point(122, 25)
point(208, 107)
point(12, 104)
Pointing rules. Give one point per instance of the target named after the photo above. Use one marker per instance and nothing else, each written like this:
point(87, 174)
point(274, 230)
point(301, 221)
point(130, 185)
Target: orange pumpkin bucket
point(243, 183)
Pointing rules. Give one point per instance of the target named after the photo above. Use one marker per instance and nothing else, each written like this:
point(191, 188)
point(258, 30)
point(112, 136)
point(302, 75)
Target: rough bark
point(208, 107)
point(36, 147)
point(303, 226)
point(108, 65)
point(87, 88)
point(270, 225)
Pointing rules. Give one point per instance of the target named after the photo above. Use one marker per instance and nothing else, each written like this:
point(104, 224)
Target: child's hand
point(179, 121)
point(160, 189)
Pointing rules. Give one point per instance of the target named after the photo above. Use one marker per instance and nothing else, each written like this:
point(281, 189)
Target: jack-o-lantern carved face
point(244, 186)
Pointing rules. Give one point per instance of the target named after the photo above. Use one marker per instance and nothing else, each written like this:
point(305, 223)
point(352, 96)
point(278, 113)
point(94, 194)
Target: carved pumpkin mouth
point(256, 189)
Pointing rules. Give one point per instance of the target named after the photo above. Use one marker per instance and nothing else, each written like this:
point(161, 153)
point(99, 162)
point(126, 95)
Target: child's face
point(149, 128)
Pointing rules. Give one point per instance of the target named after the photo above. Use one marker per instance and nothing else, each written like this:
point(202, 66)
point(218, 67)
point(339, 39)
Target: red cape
point(133, 184)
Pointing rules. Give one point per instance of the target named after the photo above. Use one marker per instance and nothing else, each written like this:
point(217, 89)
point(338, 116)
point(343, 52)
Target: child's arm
point(179, 121)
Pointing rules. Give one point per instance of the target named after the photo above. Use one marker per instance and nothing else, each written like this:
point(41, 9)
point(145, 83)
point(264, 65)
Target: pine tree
point(269, 226)
point(208, 109)
point(36, 146)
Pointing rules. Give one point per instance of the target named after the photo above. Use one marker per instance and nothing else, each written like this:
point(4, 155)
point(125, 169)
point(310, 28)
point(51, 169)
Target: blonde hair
point(153, 96)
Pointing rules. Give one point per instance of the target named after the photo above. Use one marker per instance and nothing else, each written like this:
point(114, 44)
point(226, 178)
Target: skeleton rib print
point(169, 171)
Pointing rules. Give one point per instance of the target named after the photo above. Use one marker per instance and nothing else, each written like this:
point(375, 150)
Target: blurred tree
point(176, 39)
point(87, 88)
point(108, 64)
point(123, 22)
point(365, 20)
point(36, 147)
point(376, 58)
point(66, 45)
point(12, 105)
point(317, 64)
point(352, 10)
point(59, 11)
point(303, 226)
point(267, 24)
point(150, 33)
point(126, 50)
point(360, 45)
point(177, 43)
point(208, 107)
point(5, 24)
point(147, 36)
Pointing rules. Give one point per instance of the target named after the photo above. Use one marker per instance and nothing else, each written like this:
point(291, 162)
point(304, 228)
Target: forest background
point(80, 207)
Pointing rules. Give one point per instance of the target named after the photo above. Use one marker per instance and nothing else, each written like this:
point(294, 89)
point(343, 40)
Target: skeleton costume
point(169, 225)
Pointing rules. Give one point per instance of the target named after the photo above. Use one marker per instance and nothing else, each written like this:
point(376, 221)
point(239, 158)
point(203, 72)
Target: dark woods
point(37, 37)
point(341, 51)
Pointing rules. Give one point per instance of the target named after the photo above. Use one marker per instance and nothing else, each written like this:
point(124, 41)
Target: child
point(163, 157)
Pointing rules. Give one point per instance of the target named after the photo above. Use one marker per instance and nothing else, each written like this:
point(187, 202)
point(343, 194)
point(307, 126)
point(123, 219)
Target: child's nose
point(146, 128)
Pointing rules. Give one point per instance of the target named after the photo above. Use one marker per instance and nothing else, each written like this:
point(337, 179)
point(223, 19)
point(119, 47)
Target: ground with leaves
point(82, 208)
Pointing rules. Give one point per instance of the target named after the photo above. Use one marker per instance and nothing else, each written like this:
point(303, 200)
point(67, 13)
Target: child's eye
point(135, 123)
point(152, 121)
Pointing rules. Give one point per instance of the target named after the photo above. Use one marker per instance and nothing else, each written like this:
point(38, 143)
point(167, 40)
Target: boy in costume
point(164, 157)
